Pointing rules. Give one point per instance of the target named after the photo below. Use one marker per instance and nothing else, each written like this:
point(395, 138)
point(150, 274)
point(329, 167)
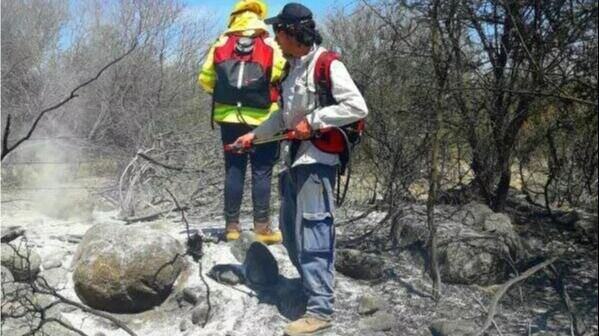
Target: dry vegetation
point(466, 98)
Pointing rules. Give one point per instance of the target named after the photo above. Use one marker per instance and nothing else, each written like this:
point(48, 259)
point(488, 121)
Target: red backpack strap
point(263, 53)
point(224, 52)
point(322, 77)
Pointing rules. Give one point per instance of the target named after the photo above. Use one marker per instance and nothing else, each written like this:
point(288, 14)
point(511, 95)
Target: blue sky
point(222, 8)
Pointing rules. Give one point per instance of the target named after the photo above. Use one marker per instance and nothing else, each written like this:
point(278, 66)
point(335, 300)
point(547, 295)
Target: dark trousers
point(262, 158)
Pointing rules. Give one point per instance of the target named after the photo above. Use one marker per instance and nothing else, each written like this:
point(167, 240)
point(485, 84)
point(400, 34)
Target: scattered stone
point(453, 328)
point(230, 278)
point(125, 269)
point(198, 314)
point(99, 333)
point(358, 264)
point(190, 295)
point(23, 262)
point(54, 259)
point(475, 245)
point(50, 264)
point(369, 304)
point(240, 246)
point(65, 308)
point(56, 277)
point(69, 238)
point(229, 274)
point(11, 233)
point(183, 325)
point(380, 321)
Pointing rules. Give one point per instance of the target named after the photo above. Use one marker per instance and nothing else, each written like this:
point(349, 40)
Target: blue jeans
point(262, 159)
point(306, 222)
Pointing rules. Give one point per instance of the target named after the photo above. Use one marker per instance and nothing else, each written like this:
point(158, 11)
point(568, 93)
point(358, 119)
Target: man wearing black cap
point(306, 186)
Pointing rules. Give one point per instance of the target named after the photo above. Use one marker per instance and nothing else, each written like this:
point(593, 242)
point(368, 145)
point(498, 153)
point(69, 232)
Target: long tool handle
point(288, 135)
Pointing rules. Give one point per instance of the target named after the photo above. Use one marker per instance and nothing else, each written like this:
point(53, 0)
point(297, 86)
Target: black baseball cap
point(291, 13)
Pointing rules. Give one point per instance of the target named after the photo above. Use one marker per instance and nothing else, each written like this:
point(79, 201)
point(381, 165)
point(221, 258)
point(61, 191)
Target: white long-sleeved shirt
point(300, 100)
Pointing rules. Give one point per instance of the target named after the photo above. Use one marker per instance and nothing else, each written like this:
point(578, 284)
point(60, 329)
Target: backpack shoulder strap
point(225, 50)
point(322, 77)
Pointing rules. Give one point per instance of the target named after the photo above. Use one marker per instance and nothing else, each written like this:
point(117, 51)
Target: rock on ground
point(22, 261)
point(358, 264)
point(370, 304)
point(475, 246)
point(7, 280)
point(125, 269)
point(453, 328)
point(380, 321)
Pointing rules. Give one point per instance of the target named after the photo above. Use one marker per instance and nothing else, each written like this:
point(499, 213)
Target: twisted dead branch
point(39, 285)
point(525, 275)
point(6, 149)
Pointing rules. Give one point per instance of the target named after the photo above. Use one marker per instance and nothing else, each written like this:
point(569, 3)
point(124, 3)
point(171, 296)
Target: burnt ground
point(531, 307)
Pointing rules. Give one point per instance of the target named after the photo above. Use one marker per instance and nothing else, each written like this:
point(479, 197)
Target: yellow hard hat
point(255, 6)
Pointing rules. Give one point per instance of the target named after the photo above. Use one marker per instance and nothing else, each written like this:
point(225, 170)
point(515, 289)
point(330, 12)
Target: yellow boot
point(266, 235)
point(306, 325)
point(232, 231)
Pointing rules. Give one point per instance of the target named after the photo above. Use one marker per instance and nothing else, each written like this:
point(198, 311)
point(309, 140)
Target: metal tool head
point(195, 246)
point(237, 148)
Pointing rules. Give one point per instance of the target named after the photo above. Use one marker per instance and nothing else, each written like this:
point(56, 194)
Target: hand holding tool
point(239, 148)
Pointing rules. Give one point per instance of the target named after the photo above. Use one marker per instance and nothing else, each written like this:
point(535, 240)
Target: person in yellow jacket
point(242, 71)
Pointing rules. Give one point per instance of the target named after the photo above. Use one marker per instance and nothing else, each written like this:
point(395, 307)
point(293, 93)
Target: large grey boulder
point(475, 246)
point(359, 265)
point(22, 261)
point(474, 214)
point(483, 254)
point(501, 226)
point(126, 269)
point(471, 263)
